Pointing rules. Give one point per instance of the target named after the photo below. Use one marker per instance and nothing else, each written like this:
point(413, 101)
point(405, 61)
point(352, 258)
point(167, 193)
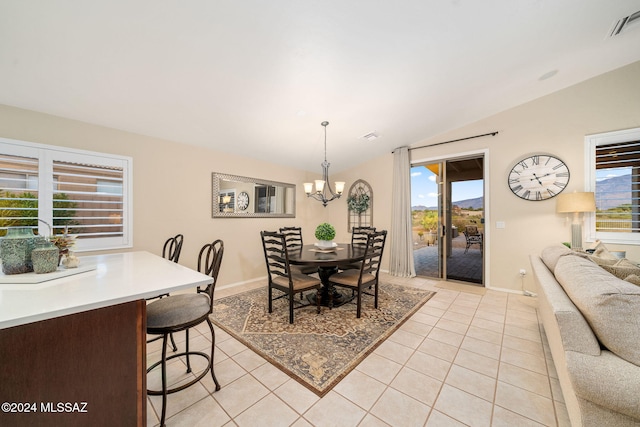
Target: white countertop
point(117, 278)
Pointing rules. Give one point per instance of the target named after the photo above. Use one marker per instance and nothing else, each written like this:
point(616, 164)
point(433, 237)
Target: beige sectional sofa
point(592, 322)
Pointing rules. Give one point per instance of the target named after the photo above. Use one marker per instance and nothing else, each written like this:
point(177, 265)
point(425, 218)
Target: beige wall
point(555, 124)
point(172, 182)
point(378, 173)
point(172, 189)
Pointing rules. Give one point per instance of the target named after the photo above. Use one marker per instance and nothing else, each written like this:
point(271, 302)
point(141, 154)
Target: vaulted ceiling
point(258, 77)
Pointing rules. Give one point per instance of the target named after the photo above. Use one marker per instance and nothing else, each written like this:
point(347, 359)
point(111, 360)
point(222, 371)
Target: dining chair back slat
point(359, 237)
point(292, 237)
point(293, 241)
point(276, 254)
point(373, 255)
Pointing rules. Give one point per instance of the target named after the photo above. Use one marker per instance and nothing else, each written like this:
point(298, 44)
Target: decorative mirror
point(242, 197)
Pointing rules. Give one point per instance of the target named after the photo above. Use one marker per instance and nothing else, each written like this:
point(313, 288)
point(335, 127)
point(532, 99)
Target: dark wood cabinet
point(84, 369)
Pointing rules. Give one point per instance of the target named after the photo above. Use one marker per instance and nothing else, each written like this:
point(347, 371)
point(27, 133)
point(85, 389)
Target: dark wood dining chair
point(293, 240)
point(281, 276)
point(181, 312)
point(367, 275)
point(359, 240)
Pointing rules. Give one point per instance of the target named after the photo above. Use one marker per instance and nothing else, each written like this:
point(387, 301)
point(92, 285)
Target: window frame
point(46, 155)
point(591, 142)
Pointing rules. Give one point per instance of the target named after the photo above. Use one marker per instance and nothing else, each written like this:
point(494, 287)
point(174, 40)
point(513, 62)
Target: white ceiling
point(257, 77)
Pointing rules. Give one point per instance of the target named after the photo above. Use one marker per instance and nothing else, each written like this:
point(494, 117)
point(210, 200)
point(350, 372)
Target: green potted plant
point(325, 233)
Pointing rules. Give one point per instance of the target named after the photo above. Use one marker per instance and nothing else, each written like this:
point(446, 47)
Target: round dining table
point(327, 261)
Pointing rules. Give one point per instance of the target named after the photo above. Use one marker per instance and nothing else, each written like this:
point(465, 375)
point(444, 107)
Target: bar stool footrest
point(183, 386)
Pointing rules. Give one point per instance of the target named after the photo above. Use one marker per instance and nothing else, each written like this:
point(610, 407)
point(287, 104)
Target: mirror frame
point(216, 177)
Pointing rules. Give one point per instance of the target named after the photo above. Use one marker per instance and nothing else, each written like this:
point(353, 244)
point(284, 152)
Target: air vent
point(625, 24)
point(370, 136)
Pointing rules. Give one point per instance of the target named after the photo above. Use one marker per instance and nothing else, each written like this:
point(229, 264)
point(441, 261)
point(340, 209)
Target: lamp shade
point(576, 202)
point(308, 187)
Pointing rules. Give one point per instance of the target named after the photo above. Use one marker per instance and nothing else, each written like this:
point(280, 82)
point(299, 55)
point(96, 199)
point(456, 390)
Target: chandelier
point(322, 186)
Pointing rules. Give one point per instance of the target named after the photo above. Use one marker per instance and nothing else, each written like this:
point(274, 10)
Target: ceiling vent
point(370, 136)
point(626, 24)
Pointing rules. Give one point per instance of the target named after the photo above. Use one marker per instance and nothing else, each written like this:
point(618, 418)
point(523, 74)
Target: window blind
point(617, 189)
point(85, 193)
point(18, 192)
point(88, 200)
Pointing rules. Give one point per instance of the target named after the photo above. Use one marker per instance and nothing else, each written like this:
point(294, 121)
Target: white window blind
point(18, 191)
point(82, 203)
point(614, 177)
point(83, 193)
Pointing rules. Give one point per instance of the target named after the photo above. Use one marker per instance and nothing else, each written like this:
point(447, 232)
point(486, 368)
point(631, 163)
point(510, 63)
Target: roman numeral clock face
point(538, 177)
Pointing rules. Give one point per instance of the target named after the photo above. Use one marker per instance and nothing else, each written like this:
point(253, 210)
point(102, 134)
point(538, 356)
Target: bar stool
point(171, 251)
point(180, 312)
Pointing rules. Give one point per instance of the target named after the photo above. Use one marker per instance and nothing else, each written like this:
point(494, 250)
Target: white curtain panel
point(401, 261)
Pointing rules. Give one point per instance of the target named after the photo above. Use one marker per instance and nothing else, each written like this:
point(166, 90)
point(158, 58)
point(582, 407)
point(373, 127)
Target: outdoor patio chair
point(473, 237)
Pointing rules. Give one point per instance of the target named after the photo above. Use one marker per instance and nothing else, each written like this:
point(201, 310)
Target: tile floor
point(469, 356)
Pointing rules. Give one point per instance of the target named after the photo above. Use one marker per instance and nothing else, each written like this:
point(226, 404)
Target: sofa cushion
point(565, 326)
point(606, 380)
point(610, 305)
point(551, 254)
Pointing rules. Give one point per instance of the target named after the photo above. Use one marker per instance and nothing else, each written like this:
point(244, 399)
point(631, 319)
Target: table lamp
point(577, 203)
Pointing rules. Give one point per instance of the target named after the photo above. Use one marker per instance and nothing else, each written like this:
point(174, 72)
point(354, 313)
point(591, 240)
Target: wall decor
point(360, 205)
point(234, 196)
point(538, 177)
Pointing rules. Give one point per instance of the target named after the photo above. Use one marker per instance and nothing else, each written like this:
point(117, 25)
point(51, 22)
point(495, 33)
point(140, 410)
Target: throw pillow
point(601, 251)
point(622, 268)
point(634, 278)
point(626, 263)
point(603, 261)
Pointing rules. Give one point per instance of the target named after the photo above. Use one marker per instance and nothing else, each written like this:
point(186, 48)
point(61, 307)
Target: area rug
point(318, 350)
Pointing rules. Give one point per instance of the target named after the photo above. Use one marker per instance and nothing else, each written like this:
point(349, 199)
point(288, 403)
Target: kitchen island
point(73, 348)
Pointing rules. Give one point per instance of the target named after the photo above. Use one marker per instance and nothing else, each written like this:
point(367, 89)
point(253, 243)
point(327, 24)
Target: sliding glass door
point(447, 199)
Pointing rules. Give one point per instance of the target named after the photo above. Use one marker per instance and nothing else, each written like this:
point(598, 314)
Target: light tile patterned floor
point(463, 359)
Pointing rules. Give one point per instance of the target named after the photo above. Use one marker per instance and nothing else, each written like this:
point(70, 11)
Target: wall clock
point(538, 177)
point(242, 201)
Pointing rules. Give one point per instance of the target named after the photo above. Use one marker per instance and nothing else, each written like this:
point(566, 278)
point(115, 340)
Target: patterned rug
point(317, 350)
